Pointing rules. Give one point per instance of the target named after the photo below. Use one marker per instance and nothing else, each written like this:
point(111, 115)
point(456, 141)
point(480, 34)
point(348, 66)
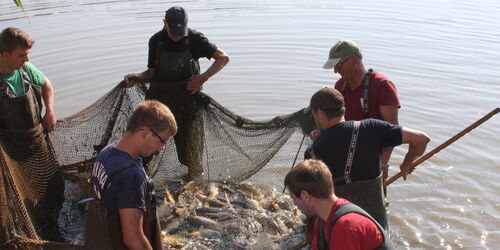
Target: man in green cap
point(367, 93)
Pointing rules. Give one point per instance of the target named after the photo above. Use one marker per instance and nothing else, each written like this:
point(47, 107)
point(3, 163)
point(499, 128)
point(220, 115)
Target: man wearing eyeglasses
point(176, 80)
point(122, 185)
point(367, 93)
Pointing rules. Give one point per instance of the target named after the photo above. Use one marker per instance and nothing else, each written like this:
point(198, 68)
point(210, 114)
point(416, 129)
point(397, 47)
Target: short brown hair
point(329, 100)
point(13, 38)
point(312, 176)
point(154, 115)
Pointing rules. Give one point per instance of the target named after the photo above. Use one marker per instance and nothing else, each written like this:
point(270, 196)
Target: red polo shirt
point(381, 92)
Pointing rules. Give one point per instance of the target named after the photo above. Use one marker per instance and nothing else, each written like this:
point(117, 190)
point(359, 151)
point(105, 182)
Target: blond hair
point(152, 114)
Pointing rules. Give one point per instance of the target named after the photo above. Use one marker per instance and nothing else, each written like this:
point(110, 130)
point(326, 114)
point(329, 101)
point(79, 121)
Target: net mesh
point(234, 149)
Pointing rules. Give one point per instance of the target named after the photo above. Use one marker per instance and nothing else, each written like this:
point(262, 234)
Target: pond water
point(442, 55)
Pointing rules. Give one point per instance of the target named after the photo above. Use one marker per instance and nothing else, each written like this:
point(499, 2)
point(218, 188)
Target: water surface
point(442, 55)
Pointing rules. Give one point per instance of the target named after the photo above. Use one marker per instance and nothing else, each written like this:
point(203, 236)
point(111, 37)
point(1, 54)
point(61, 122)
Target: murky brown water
point(442, 56)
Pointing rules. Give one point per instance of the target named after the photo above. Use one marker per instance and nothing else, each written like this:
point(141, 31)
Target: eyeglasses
point(341, 63)
point(157, 135)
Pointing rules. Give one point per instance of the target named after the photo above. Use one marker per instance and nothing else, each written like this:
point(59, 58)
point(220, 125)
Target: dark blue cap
point(177, 20)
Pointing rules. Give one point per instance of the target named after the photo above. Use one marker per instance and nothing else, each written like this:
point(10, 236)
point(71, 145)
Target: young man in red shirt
point(339, 223)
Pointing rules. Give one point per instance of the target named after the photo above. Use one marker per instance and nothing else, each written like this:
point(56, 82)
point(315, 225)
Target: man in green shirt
point(24, 144)
point(17, 75)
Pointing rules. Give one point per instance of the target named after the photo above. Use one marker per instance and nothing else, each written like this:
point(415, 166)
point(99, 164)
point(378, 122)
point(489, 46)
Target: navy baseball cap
point(177, 20)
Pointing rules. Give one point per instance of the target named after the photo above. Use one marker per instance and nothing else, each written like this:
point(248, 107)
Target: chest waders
point(105, 232)
point(368, 194)
point(22, 138)
point(172, 71)
point(378, 212)
point(366, 84)
point(20, 112)
point(339, 212)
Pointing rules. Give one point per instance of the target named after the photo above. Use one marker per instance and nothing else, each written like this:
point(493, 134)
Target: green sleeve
point(37, 77)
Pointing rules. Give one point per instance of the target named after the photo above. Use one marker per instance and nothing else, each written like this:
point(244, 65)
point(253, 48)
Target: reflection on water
point(442, 56)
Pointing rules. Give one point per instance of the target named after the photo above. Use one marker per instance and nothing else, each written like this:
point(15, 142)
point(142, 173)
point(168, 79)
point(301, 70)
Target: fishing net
point(234, 149)
point(31, 184)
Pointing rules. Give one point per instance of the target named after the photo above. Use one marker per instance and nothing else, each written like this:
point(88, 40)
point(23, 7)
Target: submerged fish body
point(201, 221)
point(241, 226)
point(246, 202)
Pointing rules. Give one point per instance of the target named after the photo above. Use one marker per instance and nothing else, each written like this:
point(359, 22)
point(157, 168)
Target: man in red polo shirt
point(367, 93)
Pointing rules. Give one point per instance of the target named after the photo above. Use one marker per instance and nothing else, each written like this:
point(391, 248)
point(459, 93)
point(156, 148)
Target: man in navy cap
point(175, 79)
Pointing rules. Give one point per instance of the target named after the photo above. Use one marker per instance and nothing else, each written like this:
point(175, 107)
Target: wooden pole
point(445, 144)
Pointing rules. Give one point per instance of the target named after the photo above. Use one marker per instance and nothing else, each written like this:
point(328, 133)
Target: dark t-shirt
point(198, 45)
point(333, 145)
point(129, 186)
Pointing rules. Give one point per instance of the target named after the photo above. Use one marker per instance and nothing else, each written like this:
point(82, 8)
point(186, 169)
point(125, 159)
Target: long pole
point(445, 144)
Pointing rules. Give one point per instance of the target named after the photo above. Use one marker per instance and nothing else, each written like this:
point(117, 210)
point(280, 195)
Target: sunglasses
point(341, 63)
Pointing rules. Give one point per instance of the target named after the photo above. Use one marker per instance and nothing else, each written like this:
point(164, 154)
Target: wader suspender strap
point(365, 105)
point(159, 47)
point(350, 154)
point(345, 209)
point(365, 92)
point(322, 243)
point(37, 91)
point(311, 152)
point(5, 91)
point(153, 214)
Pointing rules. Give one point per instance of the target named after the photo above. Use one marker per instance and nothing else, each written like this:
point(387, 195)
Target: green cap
point(342, 49)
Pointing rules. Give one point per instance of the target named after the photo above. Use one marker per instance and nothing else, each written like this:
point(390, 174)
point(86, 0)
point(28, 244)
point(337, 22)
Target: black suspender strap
point(366, 84)
point(350, 154)
point(5, 91)
point(37, 91)
point(339, 212)
point(343, 87)
point(310, 150)
point(152, 215)
point(159, 47)
point(365, 107)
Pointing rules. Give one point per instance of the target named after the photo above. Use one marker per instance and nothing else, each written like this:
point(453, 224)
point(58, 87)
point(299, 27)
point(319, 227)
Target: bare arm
point(221, 59)
point(133, 235)
point(417, 141)
point(145, 76)
point(49, 119)
point(389, 114)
